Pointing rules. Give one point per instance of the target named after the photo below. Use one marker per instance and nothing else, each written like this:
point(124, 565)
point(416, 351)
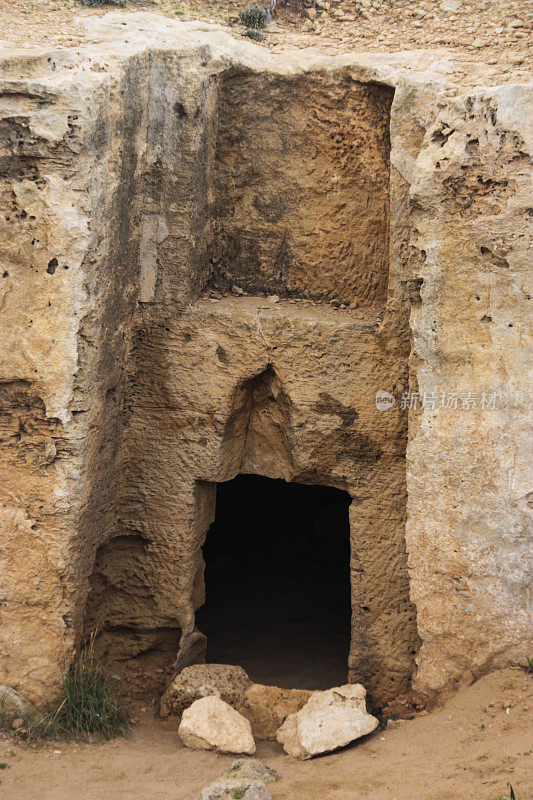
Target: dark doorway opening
point(277, 582)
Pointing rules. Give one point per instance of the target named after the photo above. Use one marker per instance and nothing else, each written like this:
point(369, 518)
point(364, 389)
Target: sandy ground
point(468, 750)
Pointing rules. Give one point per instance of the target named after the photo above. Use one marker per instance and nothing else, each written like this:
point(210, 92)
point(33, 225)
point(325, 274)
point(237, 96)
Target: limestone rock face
point(211, 724)
point(469, 479)
point(202, 680)
point(383, 199)
point(267, 707)
point(329, 720)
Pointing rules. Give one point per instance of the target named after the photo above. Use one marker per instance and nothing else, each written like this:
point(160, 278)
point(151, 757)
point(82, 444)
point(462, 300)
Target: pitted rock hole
point(277, 582)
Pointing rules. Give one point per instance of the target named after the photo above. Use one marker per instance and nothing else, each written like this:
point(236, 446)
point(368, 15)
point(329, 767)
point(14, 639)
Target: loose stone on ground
point(267, 707)
point(212, 724)
point(329, 720)
point(245, 779)
point(203, 680)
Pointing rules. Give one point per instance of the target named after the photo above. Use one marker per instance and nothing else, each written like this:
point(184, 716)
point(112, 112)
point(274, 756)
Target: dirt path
point(468, 750)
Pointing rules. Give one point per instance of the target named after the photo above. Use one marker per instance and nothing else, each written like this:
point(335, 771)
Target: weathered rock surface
point(230, 788)
point(329, 720)
point(267, 707)
point(469, 479)
point(127, 391)
point(246, 778)
point(211, 724)
point(11, 704)
point(251, 769)
point(201, 680)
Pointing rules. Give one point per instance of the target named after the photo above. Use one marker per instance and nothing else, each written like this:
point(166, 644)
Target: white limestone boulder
point(212, 724)
point(329, 720)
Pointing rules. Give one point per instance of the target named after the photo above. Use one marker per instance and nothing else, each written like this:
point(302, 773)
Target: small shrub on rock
point(253, 33)
point(255, 18)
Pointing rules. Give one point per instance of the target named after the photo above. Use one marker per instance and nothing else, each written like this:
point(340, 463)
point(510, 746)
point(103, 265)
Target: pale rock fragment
point(329, 720)
point(212, 724)
point(230, 788)
point(245, 779)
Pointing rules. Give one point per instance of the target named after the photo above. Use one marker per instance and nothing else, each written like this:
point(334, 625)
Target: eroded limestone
point(127, 391)
point(223, 680)
point(328, 720)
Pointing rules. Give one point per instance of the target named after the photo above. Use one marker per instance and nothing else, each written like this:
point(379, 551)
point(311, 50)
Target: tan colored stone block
point(267, 707)
point(202, 680)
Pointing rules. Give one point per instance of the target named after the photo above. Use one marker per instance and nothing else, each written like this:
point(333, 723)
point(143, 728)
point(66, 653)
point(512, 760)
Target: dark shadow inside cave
point(278, 583)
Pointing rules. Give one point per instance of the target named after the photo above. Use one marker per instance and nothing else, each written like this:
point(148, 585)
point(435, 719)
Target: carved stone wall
point(143, 176)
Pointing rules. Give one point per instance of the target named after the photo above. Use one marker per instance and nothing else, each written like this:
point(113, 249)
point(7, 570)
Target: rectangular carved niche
point(301, 199)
